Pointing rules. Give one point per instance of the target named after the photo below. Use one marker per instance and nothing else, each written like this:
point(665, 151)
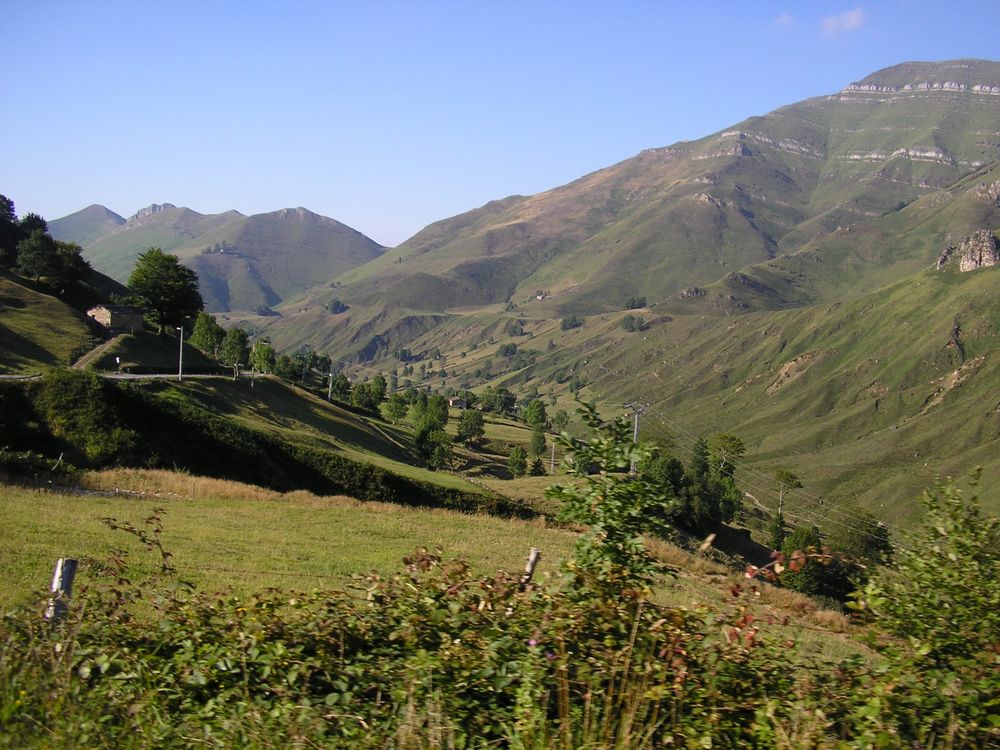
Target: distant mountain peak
point(153, 208)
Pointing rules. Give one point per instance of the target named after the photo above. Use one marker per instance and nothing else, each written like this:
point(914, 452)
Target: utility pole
point(552, 461)
point(637, 410)
point(180, 355)
point(329, 389)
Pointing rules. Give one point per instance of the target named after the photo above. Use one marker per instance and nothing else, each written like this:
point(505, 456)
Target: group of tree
point(27, 248)
point(704, 494)
point(633, 323)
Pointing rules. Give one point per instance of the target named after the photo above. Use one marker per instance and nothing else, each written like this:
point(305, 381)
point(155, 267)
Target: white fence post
point(61, 588)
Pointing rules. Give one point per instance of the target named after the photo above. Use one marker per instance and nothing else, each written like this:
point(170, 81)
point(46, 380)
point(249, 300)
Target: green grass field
point(224, 535)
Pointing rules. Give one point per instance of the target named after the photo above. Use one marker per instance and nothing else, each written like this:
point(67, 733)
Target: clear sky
point(390, 115)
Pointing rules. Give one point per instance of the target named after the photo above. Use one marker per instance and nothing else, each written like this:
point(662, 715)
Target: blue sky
point(390, 115)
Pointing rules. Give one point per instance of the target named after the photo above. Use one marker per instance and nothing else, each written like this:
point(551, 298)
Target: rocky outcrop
point(155, 208)
point(980, 250)
point(989, 192)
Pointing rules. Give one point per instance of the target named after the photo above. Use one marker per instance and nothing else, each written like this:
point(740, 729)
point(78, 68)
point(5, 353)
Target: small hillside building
point(119, 318)
point(458, 403)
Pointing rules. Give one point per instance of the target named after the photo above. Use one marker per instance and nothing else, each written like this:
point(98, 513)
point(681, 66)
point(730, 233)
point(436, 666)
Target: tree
point(439, 449)
point(471, 426)
point(70, 266)
point(379, 387)
point(166, 287)
point(617, 506)
point(537, 467)
point(864, 538)
point(36, 255)
point(786, 481)
point(262, 356)
point(395, 408)
point(340, 387)
point(561, 420)
point(830, 576)
point(207, 334)
point(941, 604)
point(572, 321)
point(517, 462)
point(62, 263)
point(536, 446)
point(724, 451)
point(779, 531)
point(10, 232)
point(365, 396)
point(234, 350)
point(534, 413)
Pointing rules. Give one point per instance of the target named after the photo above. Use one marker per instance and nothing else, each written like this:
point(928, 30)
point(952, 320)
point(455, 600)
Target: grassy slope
point(227, 535)
point(37, 330)
point(224, 535)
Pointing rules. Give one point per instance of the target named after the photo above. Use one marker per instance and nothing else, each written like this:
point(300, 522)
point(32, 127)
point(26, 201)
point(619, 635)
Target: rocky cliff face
point(981, 250)
point(978, 251)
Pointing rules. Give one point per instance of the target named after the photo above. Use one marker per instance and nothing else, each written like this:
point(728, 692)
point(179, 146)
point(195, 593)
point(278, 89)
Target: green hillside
point(243, 262)
point(38, 330)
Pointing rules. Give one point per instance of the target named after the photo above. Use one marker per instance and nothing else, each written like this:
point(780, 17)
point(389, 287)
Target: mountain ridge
point(243, 262)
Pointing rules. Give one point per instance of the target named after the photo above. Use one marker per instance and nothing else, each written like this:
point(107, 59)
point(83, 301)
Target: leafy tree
point(634, 303)
point(830, 576)
point(439, 448)
point(507, 350)
point(36, 255)
point(618, 507)
point(31, 223)
point(61, 263)
point(864, 538)
point(234, 350)
point(10, 232)
point(284, 367)
point(70, 265)
point(365, 396)
point(436, 411)
point(207, 334)
point(561, 420)
point(537, 467)
point(941, 604)
point(471, 426)
point(517, 462)
point(572, 321)
point(395, 408)
point(536, 446)
point(262, 356)
point(534, 413)
point(336, 306)
point(340, 387)
point(778, 531)
point(379, 387)
point(166, 287)
point(514, 328)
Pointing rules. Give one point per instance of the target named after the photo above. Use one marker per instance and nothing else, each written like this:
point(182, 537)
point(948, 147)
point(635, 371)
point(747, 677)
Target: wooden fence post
point(61, 588)
point(529, 567)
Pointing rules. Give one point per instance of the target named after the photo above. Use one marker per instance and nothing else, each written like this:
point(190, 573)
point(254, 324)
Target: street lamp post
point(180, 355)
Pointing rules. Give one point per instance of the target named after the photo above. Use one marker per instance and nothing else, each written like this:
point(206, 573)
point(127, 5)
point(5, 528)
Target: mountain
point(243, 262)
point(86, 226)
point(689, 215)
point(785, 271)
